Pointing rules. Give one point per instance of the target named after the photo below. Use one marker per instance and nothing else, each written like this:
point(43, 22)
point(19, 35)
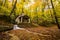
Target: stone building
point(23, 19)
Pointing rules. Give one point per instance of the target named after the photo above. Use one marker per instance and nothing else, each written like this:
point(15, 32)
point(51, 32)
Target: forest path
point(33, 32)
point(40, 33)
point(36, 33)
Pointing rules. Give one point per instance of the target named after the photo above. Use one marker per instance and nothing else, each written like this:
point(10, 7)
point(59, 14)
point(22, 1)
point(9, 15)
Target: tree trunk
point(13, 9)
point(55, 15)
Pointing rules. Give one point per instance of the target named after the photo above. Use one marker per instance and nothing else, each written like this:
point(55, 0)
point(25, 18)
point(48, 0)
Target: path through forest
point(30, 32)
point(37, 33)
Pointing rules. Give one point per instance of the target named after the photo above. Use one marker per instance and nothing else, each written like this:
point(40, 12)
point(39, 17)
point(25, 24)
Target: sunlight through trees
point(39, 11)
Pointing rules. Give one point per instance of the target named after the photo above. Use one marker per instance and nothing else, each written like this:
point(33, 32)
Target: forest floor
point(32, 33)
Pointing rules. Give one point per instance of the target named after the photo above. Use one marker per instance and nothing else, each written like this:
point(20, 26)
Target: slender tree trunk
point(13, 9)
point(55, 15)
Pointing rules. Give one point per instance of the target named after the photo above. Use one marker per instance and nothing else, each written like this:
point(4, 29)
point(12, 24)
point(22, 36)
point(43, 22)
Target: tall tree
point(13, 9)
point(55, 15)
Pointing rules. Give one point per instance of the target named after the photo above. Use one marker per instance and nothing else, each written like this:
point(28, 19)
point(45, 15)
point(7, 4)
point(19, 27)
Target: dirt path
point(38, 33)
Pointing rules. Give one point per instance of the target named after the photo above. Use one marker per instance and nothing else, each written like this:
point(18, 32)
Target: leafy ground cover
point(34, 33)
